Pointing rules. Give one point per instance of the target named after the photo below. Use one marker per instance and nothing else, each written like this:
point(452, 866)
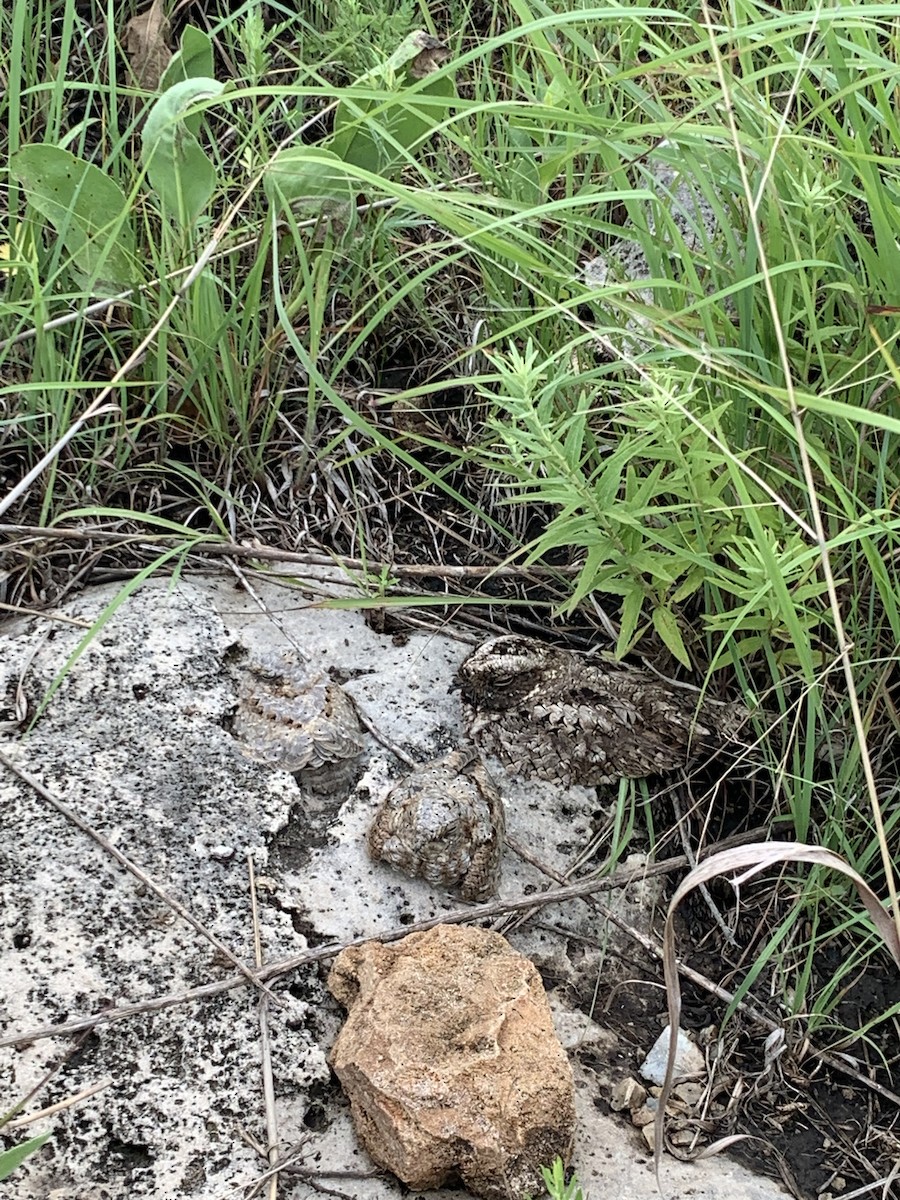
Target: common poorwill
point(552, 713)
point(444, 823)
point(294, 717)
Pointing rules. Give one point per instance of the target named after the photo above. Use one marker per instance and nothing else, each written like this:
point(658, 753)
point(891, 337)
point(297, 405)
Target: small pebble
point(688, 1059)
point(689, 1094)
point(627, 1093)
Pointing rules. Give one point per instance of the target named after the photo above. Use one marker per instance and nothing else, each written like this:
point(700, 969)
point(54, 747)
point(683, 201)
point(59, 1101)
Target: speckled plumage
point(554, 714)
point(295, 718)
point(691, 213)
point(443, 823)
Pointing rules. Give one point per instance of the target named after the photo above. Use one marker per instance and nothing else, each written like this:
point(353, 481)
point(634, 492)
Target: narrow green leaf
point(666, 625)
point(87, 209)
point(596, 556)
point(632, 606)
point(16, 1155)
point(692, 582)
point(109, 611)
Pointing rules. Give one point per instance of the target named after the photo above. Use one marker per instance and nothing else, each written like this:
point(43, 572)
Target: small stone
point(643, 1116)
point(688, 1059)
point(575, 1029)
point(627, 1093)
point(682, 1137)
point(690, 1094)
point(450, 1062)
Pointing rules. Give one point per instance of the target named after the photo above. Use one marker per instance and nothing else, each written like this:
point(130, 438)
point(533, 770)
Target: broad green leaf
point(193, 60)
point(308, 177)
point(517, 131)
point(376, 143)
point(372, 133)
point(353, 143)
point(16, 1155)
point(87, 209)
point(177, 167)
point(550, 167)
point(666, 625)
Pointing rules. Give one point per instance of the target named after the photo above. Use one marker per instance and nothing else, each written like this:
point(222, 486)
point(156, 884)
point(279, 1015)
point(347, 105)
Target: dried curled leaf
point(431, 57)
point(147, 47)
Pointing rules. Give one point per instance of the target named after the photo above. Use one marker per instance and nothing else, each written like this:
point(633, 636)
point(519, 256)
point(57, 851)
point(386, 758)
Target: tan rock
point(627, 1093)
point(450, 1062)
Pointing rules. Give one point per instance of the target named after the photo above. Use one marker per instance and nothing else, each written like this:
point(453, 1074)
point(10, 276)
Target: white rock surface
point(135, 740)
point(684, 225)
point(689, 1060)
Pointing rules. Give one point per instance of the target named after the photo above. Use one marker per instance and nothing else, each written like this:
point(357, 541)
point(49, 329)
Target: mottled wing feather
point(293, 718)
point(589, 721)
point(443, 823)
point(337, 734)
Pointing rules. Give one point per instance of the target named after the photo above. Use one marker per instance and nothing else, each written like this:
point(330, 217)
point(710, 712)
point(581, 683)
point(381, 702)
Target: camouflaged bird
point(444, 823)
point(557, 715)
point(293, 717)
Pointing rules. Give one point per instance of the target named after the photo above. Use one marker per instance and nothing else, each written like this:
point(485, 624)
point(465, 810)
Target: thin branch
point(481, 912)
point(62, 1105)
point(265, 610)
point(472, 913)
point(6, 1119)
point(273, 554)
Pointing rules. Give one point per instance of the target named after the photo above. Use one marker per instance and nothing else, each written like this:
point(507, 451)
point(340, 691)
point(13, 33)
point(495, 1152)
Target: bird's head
point(499, 674)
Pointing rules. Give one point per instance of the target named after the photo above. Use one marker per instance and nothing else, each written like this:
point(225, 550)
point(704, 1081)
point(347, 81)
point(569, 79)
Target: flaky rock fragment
point(444, 823)
point(684, 221)
point(450, 1062)
point(691, 213)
